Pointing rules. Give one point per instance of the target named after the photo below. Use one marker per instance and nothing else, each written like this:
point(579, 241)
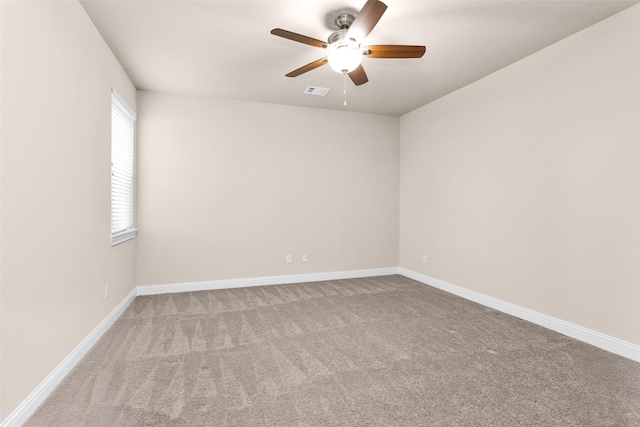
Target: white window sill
point(123, 236)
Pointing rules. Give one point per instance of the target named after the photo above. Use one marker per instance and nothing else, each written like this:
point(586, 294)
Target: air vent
point(318, 91)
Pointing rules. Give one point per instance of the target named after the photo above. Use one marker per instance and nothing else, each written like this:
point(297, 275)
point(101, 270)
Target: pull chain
point(344, 75)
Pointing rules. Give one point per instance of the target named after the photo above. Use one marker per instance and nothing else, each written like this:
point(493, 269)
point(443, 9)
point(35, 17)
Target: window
point(123, 121)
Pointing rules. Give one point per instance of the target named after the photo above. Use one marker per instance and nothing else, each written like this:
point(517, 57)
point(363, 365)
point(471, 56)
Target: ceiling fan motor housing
point(338, 37)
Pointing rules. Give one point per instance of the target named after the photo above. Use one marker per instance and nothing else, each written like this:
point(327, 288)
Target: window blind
point(122, 170)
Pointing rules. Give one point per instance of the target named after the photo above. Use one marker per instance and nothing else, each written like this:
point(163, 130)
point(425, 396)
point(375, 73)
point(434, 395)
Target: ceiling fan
point(346, 48)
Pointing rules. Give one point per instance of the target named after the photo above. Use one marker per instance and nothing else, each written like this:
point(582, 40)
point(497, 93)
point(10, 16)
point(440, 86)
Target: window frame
point(129, 232)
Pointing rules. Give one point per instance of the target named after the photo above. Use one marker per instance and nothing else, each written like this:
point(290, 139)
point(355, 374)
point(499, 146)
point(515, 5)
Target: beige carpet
point(383, 351)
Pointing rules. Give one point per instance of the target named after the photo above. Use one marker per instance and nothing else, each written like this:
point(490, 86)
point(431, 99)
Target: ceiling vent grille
point(317, 91)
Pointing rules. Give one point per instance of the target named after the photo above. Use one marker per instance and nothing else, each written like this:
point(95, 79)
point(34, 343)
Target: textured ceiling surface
point(224, 48)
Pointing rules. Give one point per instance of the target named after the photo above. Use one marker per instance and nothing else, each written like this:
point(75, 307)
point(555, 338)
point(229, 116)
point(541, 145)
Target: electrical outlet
point(424, 259)
point(106, 291)
point(289, 259)
point(304, 258)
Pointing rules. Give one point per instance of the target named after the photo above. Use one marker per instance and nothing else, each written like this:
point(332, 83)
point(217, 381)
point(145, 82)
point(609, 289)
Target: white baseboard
point(20, 415)
point(605, 342)
point(262, 281)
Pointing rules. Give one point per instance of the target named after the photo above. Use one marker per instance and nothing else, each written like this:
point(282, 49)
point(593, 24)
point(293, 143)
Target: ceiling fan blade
point(358, 76)
point(368, 17)
point(395, 51)
point(298, 37)
point(310, 66)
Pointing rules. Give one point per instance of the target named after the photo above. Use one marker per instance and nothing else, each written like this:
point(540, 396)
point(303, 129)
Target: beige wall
point(228, 188)
point(525, 185)
point(57, 75)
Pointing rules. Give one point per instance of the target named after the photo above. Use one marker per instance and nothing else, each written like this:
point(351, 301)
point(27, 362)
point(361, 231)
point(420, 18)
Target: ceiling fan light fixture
point(343, 47)
point(344, 57)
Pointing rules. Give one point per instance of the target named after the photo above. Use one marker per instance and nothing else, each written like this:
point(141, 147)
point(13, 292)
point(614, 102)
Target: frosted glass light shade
point(344, 58)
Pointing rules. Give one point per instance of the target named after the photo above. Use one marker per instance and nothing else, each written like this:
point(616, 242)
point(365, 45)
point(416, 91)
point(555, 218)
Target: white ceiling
point(224, 48)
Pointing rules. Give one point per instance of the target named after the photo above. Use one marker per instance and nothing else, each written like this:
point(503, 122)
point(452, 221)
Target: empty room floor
point(379, 351)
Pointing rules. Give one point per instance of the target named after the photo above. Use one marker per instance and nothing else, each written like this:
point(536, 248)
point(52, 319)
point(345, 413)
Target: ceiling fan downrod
point(344, 21)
